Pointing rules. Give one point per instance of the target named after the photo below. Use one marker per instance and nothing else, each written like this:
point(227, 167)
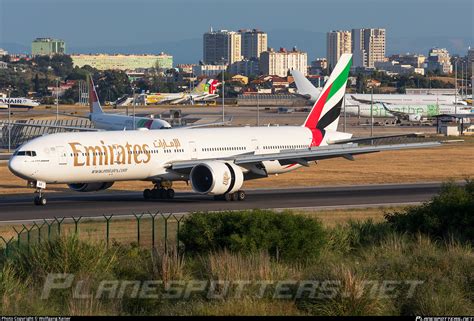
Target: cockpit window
point(25, 153)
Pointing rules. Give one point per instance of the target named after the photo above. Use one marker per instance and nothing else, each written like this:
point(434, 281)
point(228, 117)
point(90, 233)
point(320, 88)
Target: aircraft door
point(193, 150)
point(61, 154)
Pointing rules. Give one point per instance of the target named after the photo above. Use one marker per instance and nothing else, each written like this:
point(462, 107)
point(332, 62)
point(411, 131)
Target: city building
point(470, 59)
point(368, 47)
point(185, 68)
point(254, 42)
point(280, 62)
point(221, 47)
point(3, 65)
point(247, 67)
point(337, 43)
point(414, 60)
point(318, 66)
point(123, 62)
point(3, 52)
point(395, 67)
point(208, 70)
point(439, 60)
point(48, 46)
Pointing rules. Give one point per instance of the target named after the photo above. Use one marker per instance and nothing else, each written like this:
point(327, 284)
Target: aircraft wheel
point(170, 193)
point(147, 194)
point(155, 193)
point(228, 197)
point(40, 200)
point(235, 197)
point(241, 195)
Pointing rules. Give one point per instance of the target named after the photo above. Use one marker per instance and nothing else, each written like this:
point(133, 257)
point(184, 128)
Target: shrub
point(448, 214)
point(283, 234)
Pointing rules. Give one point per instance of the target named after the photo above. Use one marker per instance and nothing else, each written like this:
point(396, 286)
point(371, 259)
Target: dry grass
point(435, 164)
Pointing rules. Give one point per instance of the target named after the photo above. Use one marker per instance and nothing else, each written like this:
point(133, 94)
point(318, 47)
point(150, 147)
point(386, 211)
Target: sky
point(176, 26)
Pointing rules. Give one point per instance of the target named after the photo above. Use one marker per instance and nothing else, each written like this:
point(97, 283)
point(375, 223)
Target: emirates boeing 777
point(216, 161)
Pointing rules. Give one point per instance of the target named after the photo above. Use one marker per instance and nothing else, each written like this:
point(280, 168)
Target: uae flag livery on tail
point(326, 110)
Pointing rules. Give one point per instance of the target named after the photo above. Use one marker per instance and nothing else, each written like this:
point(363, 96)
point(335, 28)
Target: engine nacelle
point(414, 117)
point(216, 178)
point(90, 187)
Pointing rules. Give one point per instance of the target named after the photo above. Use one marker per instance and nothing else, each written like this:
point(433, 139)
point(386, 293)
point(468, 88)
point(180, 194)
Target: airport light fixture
point(9, 120)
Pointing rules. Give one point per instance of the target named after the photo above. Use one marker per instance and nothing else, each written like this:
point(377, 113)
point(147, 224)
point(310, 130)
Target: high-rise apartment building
point(48, 46)
point(470, 58)
point(254, 42)
point(368, 46)
point(221, 47)
point(279, 63)
point(337, 43)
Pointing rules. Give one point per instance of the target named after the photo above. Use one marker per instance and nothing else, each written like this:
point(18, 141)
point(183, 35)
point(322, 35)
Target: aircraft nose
point(18, 167)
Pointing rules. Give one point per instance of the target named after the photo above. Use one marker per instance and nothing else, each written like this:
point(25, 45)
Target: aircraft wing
point(365, 139)
point(216, 123)
point(303, 157)
point(396, 113)
point(83, 129)
point(366, 101)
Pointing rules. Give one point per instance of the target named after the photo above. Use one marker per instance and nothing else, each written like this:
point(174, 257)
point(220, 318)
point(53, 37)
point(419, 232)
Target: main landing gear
point(161, 190)
point(237, 196)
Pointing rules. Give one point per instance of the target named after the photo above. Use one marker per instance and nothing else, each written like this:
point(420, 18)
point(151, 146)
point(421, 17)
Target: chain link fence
point(154, 230)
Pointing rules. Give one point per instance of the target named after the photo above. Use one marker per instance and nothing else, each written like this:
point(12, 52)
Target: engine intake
point(90, 187)
point(216, 178)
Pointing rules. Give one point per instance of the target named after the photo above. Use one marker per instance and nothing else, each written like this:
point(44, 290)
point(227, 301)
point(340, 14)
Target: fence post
point(178, 221)
point(39, 230)
point(49, 229)
point(18, 235)
point(27, 235)
point(107, 219)
point(165, 218)
point(76, 222)
point(152, 229)
point(138, 217)
point(59, 224)
point(7, 245)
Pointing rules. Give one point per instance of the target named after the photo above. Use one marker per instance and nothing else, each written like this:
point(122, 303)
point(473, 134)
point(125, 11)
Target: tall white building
point(470, 59)
point(221, 47)
point(279, 63)
point(368, 46)
point(254, 42)
point(337, 43)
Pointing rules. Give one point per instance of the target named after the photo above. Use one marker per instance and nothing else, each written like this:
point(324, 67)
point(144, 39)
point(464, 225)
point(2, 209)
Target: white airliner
point(17, 102)
point(216, 161)
point(408, 107)
point(204, 91)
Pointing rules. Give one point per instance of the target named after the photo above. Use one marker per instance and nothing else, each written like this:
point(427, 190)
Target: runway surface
point(122, 203)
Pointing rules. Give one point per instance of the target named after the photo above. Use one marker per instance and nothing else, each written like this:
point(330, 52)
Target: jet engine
point(90, 187)
point(414, 117)
point(216, 178)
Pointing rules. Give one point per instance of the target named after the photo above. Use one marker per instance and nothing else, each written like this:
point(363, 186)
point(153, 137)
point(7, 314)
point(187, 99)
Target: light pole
point(134, 103)
point(9, 121)
point(258, 107)
point(57, 99)
point(345, 115)
point(456, 84)
point(371, 113)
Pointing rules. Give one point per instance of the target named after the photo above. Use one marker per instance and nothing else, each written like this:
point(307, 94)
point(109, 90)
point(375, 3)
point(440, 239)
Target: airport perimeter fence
point(158, 231)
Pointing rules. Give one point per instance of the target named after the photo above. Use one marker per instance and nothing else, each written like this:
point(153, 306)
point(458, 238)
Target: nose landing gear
point(39, 198)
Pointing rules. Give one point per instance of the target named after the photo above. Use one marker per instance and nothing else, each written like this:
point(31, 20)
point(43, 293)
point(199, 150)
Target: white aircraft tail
point(304, 86)
point(94, 102)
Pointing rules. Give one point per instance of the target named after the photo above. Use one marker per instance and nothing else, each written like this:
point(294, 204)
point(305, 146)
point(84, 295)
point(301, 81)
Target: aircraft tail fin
point(326, 111)
point(94, 102)
point(201, 87)
point(304, 86)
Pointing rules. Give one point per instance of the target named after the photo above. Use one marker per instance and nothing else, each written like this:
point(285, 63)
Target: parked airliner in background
point(17, 102)
point(204, 91)
point(407, 107)
point(216, 161)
